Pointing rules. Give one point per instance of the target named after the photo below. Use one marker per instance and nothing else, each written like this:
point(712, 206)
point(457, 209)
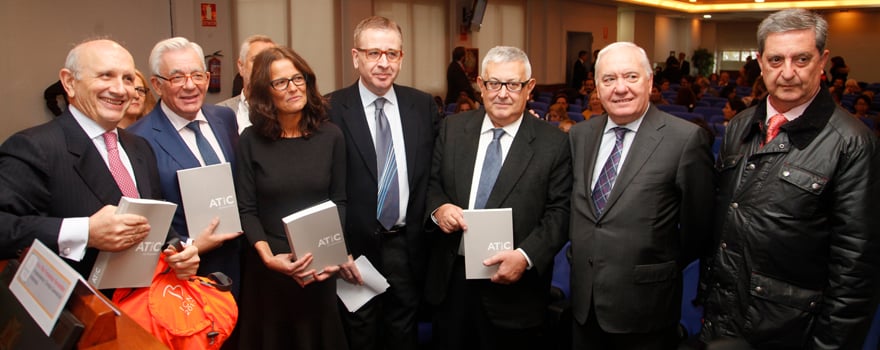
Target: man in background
point(250, 48)
point(457, 80)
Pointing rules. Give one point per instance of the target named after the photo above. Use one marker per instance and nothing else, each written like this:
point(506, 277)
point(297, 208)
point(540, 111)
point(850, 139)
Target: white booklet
point(355, 296)
point(317, 230)
point(208, 192)
point(134, 267)
point(489, 232)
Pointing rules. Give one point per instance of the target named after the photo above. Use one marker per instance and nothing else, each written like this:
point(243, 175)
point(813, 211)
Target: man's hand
point(513, 263)
point(450, 218)
point(185, 263)
point(111, 232)
point(208, 240)
point(350, 273)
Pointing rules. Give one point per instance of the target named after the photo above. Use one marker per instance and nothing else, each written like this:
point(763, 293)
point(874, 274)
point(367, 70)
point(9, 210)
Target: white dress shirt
point(609, 137)
point(189, 136)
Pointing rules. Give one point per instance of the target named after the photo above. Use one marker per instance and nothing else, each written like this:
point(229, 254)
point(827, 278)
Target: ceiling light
point(759, 0)
point(692, 0)
point(707, 16)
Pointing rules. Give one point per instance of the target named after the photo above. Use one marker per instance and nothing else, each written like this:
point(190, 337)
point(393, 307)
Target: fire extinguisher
point(214, 68)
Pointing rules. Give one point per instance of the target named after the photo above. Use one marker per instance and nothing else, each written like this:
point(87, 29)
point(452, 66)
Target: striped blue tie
point(491, 168)
point(388, 204)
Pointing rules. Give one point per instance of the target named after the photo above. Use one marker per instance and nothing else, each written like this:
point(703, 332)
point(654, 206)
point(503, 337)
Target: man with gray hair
point(796, 223)
point(641, 202)
point(498, 158)
point(185, 134)
point(250, 48)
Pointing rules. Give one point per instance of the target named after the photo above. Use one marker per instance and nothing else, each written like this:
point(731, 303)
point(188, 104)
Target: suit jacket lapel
point(218, 127)
point(644, 144)
point(518, 158)
point(410, 128)
point(466, 155)
point(170, 142)
point(90, 167)
point(356, 121)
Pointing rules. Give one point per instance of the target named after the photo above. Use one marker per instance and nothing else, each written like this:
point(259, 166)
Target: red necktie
point(773, 127)
point(120, 174)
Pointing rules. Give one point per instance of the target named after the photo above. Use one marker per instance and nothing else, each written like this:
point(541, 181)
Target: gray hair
point(793, 19)
point(172, 44)
point(643, 57)
point(246, 45)
point(504, 54)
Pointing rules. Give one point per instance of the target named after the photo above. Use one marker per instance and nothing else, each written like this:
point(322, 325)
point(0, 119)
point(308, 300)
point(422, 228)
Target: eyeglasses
point(282, 84)
point(374, 54)
point(512, 86)
point(180, 80)
point(141, 91)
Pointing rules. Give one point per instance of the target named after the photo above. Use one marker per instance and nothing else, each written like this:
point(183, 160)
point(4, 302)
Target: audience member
point(464, 104)
point(56, 182)
point(557, 113)
point(861, 106)
point(732, 108)
point(250, 48)
point(185, 133)
point(579, 71)
point(759, 92)
point(686, 97)
point(521, 163)
point(286, 302)
point(457, 81)
point(795, 264)
point(630, 238)
point(388, 230)
point(588, 87)
point(141, 103)
point(594, 106)
point(852, 87)
point(656, 97)
point(839, 69)
point(751, 71)
point(684, 65)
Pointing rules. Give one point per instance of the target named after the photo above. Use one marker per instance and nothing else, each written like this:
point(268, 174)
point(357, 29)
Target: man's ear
point(68, 80)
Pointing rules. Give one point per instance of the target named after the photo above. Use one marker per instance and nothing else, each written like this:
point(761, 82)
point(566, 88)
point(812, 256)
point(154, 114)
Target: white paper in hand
point(355, 296)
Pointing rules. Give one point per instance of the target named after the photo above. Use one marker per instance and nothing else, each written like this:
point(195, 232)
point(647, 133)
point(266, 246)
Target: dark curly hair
point(263, 114)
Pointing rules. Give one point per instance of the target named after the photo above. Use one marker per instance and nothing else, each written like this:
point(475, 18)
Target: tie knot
point(497, 133)
point(110, 140)
point(380, 103)
point(776, 121)
point(194, 126)
point(619, 131)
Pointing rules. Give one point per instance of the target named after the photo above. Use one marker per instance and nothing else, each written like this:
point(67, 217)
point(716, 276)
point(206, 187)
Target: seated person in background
point(141, 103)
point(557, 113)
point(588, 87)
point(852, 87)
point(594, 107)
point(861, 106)
point(561, 99)
point(759, 91)
point(732, 108)
point(656, 97)
point(566, 125)
point(464, 104)
point(686, 98)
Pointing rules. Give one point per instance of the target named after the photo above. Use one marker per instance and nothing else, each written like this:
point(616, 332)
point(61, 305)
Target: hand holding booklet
point(489, 232)
point(355, 296)
point(134, 267)
point(317, 230)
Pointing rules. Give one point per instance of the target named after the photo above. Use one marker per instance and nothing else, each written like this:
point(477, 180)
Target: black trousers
point(461, 322)
point(389, 320)
point(591, 336)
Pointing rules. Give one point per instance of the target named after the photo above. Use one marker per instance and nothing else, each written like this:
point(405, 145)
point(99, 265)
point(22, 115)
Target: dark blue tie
point(491, 167)
point(388, 204)
point(205, 148)
point(609, 172)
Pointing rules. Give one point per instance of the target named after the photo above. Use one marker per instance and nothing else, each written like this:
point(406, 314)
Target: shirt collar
point(632, 126)
point(368, 97)
point(88, 125)
point(181, 122)
point(509, 129)
point(805, 127)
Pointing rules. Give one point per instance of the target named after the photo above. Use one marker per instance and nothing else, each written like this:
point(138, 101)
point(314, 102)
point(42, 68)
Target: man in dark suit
point(181, 82)
point(641, 204)
point(457, 80)
point(387, 229)
point(579, 71)
point(56, 182)
point(533, 178)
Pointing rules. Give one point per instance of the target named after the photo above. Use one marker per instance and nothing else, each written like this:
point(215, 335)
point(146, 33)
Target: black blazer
point(419, 117)
point(535, 180)
point(656, 221)
point(53, 171)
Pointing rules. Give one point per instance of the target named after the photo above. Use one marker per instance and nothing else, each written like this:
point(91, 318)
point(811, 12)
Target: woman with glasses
point(142, 103)
point(291, 158)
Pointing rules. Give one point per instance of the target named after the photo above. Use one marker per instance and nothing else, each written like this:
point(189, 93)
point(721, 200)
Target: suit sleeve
point(695, 180)
point(24, 197)
point(437, 193)
point(550, 235)
point(854, 251)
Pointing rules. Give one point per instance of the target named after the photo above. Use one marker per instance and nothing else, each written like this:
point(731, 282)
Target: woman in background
point(290, 159)
point(594, 106)
point(142, 103)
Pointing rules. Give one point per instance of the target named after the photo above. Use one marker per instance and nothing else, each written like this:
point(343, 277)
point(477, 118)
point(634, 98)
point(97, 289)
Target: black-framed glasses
point(282, 84)
point(180, 79)
point(374, 54)
point(512, 86)
point(141, 91)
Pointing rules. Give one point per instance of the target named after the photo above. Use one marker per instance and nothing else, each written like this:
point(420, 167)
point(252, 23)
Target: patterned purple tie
point(609, 172)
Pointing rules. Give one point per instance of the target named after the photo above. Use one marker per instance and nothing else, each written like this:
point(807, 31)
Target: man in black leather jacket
point(796, 220)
